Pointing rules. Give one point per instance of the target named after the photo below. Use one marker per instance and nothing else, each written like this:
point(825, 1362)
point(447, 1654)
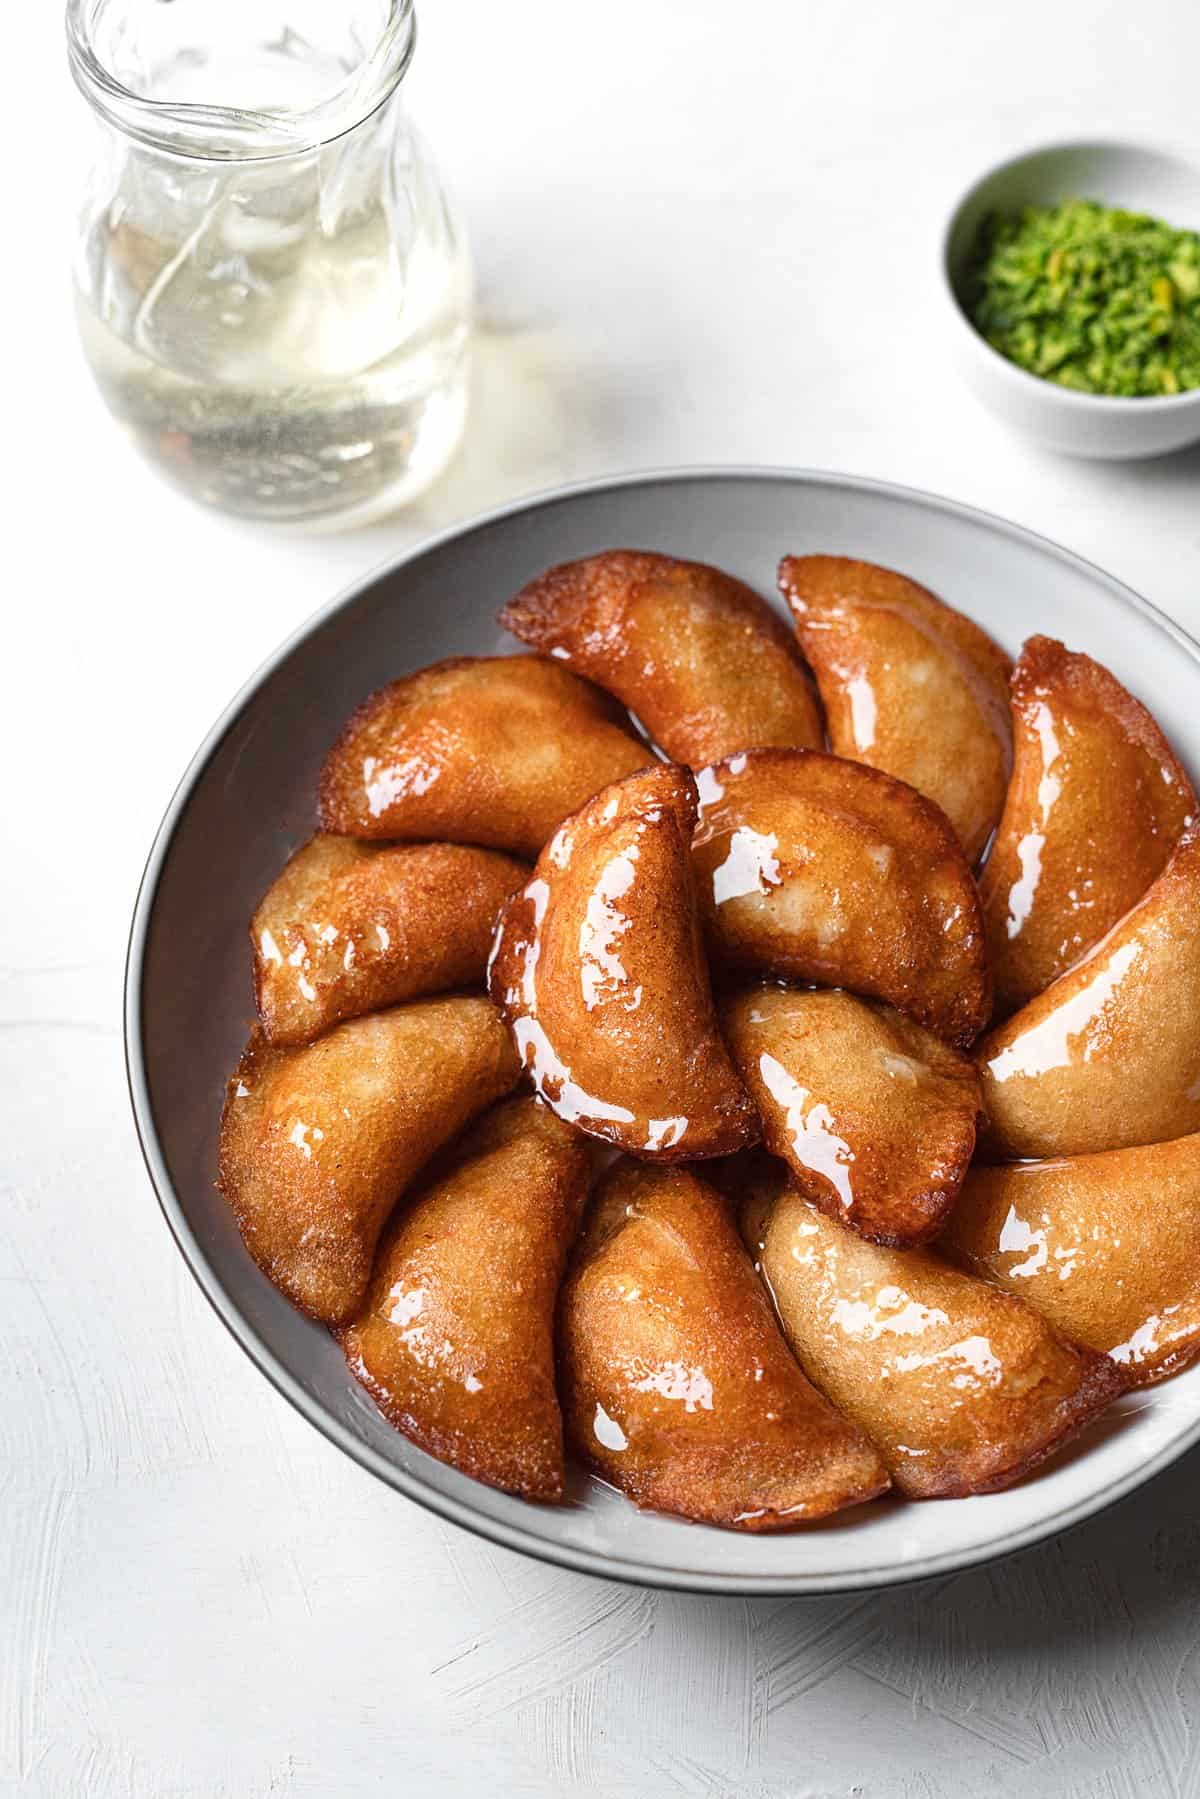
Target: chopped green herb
point(1104, 301)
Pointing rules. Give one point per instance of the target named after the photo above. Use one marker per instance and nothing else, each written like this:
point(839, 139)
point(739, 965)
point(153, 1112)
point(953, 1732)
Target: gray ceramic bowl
point(247, 800)
point(1143, 180)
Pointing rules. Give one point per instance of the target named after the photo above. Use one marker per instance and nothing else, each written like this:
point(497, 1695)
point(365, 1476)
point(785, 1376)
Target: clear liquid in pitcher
point(285, 337)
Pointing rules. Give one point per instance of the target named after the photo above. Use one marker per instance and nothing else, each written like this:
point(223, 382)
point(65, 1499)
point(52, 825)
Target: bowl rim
point(529, 1541)
point(1111, 405)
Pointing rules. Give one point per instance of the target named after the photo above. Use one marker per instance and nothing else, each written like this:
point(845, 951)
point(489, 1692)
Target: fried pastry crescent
point(1109, 1056)
point(490, 750)
point(676, 1384)
point(599, 969)
point(703, 661)
point(909, 685)
point(822, 870)
point(1096, 804)
point(874, 1115)
point(456, 1341)
point(318, 1143)
point(351, 927)
point(962, 1387)
point(1107, 1247)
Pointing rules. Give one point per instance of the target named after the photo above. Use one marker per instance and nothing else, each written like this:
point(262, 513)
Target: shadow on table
point(1124, 1570)
point(1162, 481)
point(1177, 473)
point(1091, 1596)
point(544, 410)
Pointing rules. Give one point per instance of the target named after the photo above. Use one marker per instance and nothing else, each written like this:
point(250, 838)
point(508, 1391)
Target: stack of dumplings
point(760, 1068)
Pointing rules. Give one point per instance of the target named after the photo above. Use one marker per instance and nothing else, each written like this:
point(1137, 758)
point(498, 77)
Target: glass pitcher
point(272, 293)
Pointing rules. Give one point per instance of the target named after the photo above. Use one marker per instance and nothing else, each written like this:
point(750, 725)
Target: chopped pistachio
point(1186, 276)
point(1092, 297)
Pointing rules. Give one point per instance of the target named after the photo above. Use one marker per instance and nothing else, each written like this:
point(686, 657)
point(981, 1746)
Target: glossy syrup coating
point(822, 870)
point(599, 970)
point(1109, 1055)
point(318, 1143)
point(874, 1115)
point(1107, 1247)
point(962, 1387)
point(676, 1384)
point(909, 685)
point(703, 660)
point(490, 750)
point(456, 1340)
point(1096, 804)
point(351, 927)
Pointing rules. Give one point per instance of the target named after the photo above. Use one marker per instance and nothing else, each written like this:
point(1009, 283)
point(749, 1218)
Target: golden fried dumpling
point(820, 869)
point(962, 1387)
point(1096, 804)
point(456, 1340)
point(702, 660)
point(676, 1384)
point(350, 927)
point(599, 969)
point(318, 1143)
point(1108, 1056)
point(1107, 1247)
point(491, 750)
point(874, 1115)
point(909, 685)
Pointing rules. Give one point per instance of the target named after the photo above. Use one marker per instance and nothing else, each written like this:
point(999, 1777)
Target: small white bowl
point(1151, 181)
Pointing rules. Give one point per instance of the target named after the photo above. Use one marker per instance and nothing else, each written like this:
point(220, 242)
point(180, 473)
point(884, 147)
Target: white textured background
point(705, 233)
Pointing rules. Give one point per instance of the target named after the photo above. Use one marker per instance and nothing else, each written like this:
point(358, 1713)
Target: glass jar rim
point(237, 134)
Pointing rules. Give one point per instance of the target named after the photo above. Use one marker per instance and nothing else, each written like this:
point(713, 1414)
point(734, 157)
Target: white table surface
point(705, 233)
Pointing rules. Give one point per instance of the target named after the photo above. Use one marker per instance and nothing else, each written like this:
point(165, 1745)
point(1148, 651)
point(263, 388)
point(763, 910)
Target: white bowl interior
point(247, 802)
